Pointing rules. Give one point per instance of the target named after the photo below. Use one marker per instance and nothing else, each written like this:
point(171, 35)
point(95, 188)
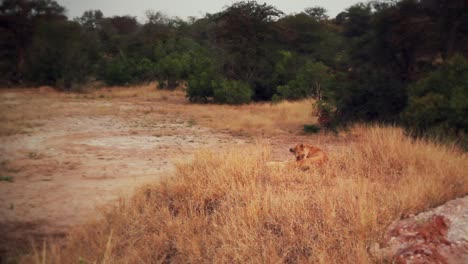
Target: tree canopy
point(369, 63)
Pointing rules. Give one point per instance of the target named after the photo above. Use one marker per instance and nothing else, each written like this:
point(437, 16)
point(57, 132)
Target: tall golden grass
point(254, 119)
point(230, 208)
point(250, 119)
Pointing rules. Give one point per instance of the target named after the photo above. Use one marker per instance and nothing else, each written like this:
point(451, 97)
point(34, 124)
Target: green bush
point(373, 96)
point(116, 72)
point(311, 129)
point(232, 92)
point(310, 81)
point(61, 54)
point(438, 103)
point(122, 71)
point(6, 178)
point(200, 87)
point(173, 67)
point(143, 70)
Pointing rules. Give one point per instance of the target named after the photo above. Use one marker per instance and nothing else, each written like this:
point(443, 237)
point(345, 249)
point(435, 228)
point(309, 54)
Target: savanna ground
point(64, 154)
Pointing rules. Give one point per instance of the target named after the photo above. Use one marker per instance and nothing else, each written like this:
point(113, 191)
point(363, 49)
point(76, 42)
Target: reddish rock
point(436, 236)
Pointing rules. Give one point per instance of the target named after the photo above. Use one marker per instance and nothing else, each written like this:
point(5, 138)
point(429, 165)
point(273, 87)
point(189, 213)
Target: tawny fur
point(308, 156)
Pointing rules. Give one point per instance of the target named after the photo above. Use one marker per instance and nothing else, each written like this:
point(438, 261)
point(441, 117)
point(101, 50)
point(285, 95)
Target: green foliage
point(286, 66)
point(203, 77)
point(356, 20)
point(361, 65)
point(61, 54)
point(373, 96)
point(19, 20)
point(438, 103)
point(179, 58)
point(123, 71)
point(308, 35)
point(201, 87)
point(318, 13)
point(116, 72)
point(144, 70)
point(173, 68)
point(6, 178)
point(242, 37)
point(232, 92)
point(310, 81)
point(311, 129)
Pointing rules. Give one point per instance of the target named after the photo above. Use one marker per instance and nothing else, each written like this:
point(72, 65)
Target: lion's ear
point(302, 145)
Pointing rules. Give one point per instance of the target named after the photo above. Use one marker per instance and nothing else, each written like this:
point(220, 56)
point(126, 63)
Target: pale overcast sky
point(185, 8)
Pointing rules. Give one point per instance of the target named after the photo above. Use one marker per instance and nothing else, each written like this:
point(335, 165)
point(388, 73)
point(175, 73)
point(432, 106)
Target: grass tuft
point(311, 129)
point(6, 178)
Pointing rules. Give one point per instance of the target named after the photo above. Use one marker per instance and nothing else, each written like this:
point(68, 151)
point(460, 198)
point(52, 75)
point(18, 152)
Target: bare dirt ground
point(62, 157)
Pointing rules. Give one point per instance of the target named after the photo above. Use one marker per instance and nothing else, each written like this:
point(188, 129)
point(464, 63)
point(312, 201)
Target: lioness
point(308, 155)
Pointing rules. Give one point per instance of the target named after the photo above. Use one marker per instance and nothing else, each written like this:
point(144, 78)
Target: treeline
point(384, 61)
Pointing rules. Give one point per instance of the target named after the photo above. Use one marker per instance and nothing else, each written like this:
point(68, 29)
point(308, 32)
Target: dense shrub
point(144, 70)
point(173, 68)
point(115, 72)
point(311, 128)
point(232, 92)
point(200, 87)
point(61, 54)
point(373, 96)
point(438, 103)
point(122, 71)
point(311, 80)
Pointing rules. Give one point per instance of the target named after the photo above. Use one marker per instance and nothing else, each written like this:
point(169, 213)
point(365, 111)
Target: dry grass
point(22, 111)
point(17, 118)
point(256, 119)
point(231, 208)
point(146, 92)
point(251, 119)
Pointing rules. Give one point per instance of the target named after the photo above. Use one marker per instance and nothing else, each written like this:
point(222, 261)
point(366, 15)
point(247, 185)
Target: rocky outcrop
point(436, 236)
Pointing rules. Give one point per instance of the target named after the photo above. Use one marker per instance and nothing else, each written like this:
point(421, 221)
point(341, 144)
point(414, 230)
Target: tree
point(172, 68)
point(300, 33)
point(318, 13)
point(241, 35)
point(356, 20)
point(204, 79)
point(304, 35)
point(18, 22)
point(311, 80)
point(451, 23)
point(91, 20)
point(439, 102)
point(370, 96)
point(405, 40)
point(201, 86)
point(61, 54)
point(232, 92)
